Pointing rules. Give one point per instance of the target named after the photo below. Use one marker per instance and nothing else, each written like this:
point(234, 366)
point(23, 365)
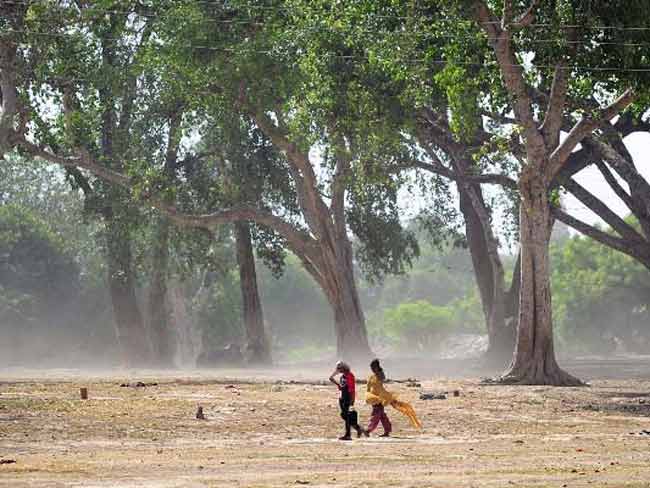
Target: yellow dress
point(376, 394)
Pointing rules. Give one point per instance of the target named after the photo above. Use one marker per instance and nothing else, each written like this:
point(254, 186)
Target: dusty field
point(260, 434)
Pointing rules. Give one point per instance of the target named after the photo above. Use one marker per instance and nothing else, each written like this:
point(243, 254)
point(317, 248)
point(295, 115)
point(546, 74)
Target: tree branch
point(555, 108)
point(576, 162)
point(614, 184)
point(593, 232)
point(528, 16)
point(583, 128)
point(599, 208)
point(628, 123)
point(8, 86)
point(341, 171)
point(502, 119)
point(313, 206)
point(439, 169)
point(299, 241)
point(623, 168)
point(506, 14)
point(512, 73)
point(130, 85)
point(639, 187)
point(495, 179)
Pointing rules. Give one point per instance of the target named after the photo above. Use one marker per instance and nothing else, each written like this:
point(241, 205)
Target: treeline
point(55, 302)
point(293, 127)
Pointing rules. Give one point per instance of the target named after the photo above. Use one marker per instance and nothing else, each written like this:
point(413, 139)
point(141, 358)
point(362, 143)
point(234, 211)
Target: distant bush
point(601, 298)
point(220, 317)
point(414, 325)
point(36, 272)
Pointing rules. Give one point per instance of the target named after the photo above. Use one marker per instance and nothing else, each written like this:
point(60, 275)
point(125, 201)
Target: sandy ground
point(263, 433)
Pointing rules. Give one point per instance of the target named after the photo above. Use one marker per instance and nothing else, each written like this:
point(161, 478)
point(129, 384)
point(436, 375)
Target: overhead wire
point(373, 15)
point(591, 43)
point(363, 58)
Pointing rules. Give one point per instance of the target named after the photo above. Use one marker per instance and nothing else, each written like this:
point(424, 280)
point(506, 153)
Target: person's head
point(374, 365)
point(377, 369)
point(342, 367)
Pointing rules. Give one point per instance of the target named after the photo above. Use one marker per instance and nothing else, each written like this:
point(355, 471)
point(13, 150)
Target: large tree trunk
point(130, 330)
point(534, 362)
point(341, 291)
point(161, 325)
point(489, 278)
point(349, 322)
point(258, 347)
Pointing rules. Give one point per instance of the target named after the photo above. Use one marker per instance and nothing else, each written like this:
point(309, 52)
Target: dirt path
point(271, 435)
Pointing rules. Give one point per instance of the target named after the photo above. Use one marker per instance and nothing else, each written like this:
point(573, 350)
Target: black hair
point(376, 367)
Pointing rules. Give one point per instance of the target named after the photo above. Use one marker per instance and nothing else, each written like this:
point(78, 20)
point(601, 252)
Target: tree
point(247, 171)
point(600, 296)
point(39, 280)
point(610, 155)
point(325, 249)
point(541, 110)
point(406, 103)
point(545, 156)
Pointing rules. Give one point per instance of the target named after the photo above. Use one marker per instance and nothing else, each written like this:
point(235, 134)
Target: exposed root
point(536, 376)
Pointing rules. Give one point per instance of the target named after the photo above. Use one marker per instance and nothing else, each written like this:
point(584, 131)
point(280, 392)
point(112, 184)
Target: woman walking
point(346, 385)
point(379, 397)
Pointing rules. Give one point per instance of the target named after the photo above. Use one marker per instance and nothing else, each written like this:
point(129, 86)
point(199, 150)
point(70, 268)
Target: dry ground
point(260, 433)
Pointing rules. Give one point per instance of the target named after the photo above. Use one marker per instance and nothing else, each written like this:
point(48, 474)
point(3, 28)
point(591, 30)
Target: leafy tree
point(416, 326)
point(411, 106)
point(39, 279)
point(600, 296)
point(34, 260)
point(511, 37)
point(234, 65)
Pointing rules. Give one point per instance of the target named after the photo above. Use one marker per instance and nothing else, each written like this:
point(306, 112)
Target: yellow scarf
point(377, 394)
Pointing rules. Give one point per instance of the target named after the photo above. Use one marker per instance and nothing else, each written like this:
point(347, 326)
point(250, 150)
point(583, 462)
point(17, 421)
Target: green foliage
point(36, 272)
point(384, 246)
point(415, 326)
point(343, 78)
point(53, 317)
point(599, 294)
point(468, 314)
point(441, 284)
point(220, 316)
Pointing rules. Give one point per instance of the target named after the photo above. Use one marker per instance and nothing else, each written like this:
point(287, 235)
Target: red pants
point(379, 415)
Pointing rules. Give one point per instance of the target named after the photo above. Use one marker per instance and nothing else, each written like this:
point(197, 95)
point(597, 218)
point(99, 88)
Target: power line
point(380, 16)
point(591, 43)
point(411, 61)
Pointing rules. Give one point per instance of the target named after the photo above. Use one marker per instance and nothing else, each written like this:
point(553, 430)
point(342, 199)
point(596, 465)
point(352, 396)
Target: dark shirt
point(347, 386)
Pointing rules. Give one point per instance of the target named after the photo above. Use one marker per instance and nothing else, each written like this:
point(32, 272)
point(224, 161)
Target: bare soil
point(260, 432)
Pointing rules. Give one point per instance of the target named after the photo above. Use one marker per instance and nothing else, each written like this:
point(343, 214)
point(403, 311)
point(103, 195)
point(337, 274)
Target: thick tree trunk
point(489, 278)
point(351, 337)
point(160, 323)
point(130, 329)
point(341, 291)
point(534, 362)
point(258, 348)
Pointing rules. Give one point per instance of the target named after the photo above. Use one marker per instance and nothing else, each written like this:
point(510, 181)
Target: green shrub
point(415, 325)
point(37, 273)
